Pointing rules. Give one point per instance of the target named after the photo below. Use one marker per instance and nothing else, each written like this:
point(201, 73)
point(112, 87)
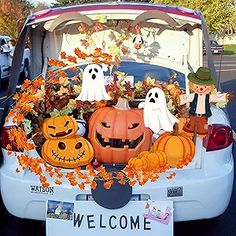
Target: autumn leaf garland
point(56, 96)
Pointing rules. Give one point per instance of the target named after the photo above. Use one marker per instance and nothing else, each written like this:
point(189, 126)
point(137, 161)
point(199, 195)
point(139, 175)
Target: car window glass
point(139, 72)
point(214, 43)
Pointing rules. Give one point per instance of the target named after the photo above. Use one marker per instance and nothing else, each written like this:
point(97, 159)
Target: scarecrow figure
point(202, 84)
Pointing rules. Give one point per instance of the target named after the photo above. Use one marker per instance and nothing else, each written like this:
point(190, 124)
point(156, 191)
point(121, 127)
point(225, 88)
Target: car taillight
point(219, 137)
point(5, 140)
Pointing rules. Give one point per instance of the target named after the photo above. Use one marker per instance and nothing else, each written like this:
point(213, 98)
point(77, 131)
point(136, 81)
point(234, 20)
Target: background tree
point(12, 16)
point(219, 14)
point(40, 6)
point(72, 2)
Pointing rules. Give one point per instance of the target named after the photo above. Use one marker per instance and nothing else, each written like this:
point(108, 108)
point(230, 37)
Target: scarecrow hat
point(202, 76)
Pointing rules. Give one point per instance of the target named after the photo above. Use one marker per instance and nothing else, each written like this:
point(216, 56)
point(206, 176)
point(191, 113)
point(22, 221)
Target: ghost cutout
point(138, 41)
point(93, 85)
point(156, 114)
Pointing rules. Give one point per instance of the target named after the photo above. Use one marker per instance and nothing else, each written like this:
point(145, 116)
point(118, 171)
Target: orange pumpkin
point(141, 162)
point(148, 160)
point(177, 146)
point(59, 127)
point(118, 133)
point(67, 153)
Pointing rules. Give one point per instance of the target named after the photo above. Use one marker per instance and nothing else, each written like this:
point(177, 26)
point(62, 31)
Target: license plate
point(216, 51)
point(176, 191)
point(146, 218)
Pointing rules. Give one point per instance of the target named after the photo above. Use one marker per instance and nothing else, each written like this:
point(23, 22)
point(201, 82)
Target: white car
point(203, 189)
point(4, 59)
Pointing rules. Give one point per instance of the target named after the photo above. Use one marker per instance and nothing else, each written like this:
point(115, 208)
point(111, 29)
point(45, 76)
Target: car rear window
point(141, 71)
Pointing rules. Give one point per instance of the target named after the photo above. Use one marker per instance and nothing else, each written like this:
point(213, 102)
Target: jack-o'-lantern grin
point(68, 159)
point(118, 133)
point(118, 143)
point(61, 134)
point(59, 127)
point(67, 152)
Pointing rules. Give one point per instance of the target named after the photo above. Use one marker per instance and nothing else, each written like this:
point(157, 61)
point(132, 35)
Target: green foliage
point(59, 3)
point(73, 2)
point(229, 49)
point(220, 15)
point(40, 6)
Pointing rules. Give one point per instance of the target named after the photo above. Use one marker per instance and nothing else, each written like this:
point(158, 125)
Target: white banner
point(144, 218)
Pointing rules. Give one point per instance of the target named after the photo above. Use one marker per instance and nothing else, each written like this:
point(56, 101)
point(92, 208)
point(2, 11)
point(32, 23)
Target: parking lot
point(223, 225)
point(228, 81)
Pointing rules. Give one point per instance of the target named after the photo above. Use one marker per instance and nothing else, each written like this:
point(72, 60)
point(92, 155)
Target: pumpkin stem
point(176, 129)
point(122, 104)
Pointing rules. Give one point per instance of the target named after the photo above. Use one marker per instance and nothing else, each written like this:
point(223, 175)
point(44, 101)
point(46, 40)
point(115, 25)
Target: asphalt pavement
point(224, 225)
point(228, 82)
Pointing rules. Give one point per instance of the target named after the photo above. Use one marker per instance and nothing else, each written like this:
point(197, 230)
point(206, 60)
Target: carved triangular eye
point(104, 124)
point(135, 125)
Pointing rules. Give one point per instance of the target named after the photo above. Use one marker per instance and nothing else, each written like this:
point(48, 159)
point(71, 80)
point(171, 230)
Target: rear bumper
point(204, 196)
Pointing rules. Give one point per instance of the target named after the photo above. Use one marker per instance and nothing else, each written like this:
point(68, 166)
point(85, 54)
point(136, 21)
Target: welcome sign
point(87, 218)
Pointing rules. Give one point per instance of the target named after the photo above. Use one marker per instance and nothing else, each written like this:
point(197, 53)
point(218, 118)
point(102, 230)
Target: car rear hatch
point(58, 33)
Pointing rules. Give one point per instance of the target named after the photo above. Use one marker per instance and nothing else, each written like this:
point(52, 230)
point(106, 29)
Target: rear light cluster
point(5, 140)
point(219, 137)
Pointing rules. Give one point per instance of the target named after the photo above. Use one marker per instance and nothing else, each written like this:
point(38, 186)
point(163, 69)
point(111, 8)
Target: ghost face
point(93, 86)
point(93, 72)
point(156, 98)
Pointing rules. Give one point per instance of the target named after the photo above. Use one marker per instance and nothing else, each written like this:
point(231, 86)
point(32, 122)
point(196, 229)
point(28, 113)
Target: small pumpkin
point(59, 127)
point(67, 153)
point(148, 160)
point(139, 163)
point(177, 146)
point(118, 133)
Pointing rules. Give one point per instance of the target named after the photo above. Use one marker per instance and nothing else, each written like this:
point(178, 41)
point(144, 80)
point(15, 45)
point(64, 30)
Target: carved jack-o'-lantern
point(67, 153)
point(59, 127)
point(118, 133)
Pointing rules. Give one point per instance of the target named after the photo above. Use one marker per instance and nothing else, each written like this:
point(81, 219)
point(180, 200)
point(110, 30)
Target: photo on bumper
point(60, 210)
